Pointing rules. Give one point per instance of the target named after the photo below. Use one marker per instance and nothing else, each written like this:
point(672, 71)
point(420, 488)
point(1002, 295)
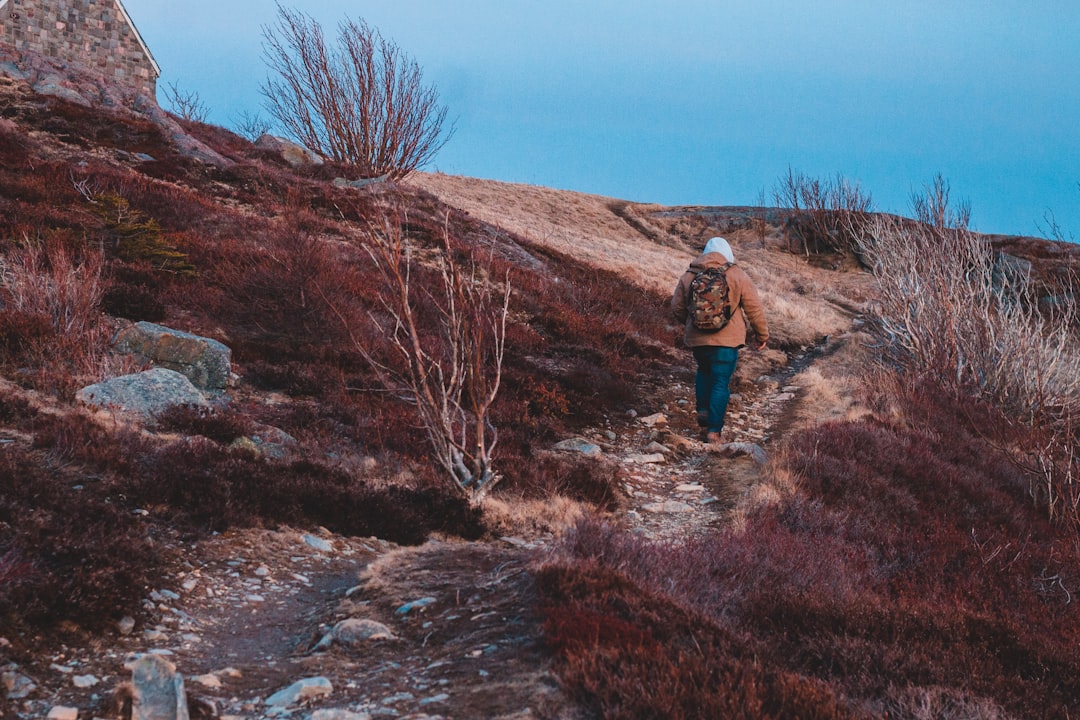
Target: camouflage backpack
point(710, 303)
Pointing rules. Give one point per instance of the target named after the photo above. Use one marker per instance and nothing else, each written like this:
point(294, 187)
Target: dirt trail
point(241, 614)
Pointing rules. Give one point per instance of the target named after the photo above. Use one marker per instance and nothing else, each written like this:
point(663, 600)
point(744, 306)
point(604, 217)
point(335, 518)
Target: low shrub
point(910, 559)
point(69, 553)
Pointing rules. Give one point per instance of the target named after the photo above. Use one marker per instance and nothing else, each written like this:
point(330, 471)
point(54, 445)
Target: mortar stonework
point(95, 34)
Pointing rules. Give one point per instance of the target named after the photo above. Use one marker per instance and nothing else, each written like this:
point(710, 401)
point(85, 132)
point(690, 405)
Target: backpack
point(710, 303)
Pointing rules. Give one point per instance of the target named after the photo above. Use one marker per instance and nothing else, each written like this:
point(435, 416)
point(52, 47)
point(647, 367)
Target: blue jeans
point(715, 366)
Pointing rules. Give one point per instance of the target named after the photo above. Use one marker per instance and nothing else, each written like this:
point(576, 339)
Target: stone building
point(97, 35)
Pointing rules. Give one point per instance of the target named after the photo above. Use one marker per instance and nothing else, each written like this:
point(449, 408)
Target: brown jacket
point(744, 299)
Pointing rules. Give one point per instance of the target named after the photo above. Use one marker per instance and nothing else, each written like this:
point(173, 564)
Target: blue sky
point(710, 101)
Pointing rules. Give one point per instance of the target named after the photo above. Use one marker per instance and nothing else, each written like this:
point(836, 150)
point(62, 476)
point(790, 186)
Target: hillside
point(866, 544)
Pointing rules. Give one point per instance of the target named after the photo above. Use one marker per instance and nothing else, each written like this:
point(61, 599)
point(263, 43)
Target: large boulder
point(146, 394)
point(206, 362)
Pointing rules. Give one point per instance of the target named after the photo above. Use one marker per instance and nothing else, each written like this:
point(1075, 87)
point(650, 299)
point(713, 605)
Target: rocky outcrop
point(145, 395)
point(204, 361)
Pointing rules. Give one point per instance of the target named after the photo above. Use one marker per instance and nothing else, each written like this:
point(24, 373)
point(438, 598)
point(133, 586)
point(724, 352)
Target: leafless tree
point(453, 378)
point(187, 105)
point(362, 102)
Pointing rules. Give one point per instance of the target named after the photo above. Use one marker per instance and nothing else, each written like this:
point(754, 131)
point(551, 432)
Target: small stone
point(16, 685)
point(651, 459)
point(790, 388)
point(337, 714)
point(414, 605)
point(668, 506)
point(515, 541)
point(355, 631)
point(189, 584)
point(655, 447)
point(262, 571)
point(654, 420)
point(441, 697)
point(756, 452)
point(580, 445)
point(300, 690)
point(689, 488)
point(632, 413)
point(84, 681)
point(397, 698)
point(253, 598)
point(61, 712)
point(209, 680)
point(154, 635)
point(785, 396)
point(318, 543)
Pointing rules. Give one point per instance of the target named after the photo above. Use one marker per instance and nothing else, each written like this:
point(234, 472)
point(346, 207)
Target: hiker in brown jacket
point(717, 352)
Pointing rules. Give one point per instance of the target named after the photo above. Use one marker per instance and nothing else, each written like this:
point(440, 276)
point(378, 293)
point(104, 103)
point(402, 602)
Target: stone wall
point(93, 33)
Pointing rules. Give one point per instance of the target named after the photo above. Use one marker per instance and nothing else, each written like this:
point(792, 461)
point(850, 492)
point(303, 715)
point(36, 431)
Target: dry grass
point(803, 302)
point(831, 388)
point(526, 518)
point(577, 224)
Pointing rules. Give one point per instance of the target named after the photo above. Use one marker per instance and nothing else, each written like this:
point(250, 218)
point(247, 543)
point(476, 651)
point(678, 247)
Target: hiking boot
point(702, 418)
point(713, 438)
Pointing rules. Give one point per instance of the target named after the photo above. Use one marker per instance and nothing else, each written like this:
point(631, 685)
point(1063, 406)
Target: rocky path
point(287, 624)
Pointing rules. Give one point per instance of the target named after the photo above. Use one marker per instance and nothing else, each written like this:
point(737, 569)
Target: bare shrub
point(450, 371)
point(951, 308)
point(361, 102)
point(44, 279)
point(827, 215)
point(187, 105)
point(934, 207)
point(251, 125)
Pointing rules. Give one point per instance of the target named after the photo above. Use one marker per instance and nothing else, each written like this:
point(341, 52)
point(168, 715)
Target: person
point(716, 352)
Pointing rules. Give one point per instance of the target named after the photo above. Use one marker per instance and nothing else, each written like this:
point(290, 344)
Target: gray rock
point(204, 361)
point(668, 506)
point(158, 690)
point(655, 447)
point(337, 714)
point(300, 690)
point(649, 459)
point(414, 605)
point(354, 632)
point(16, 685)
point(125, 625)
point(62, 712)
point(738, 449)
point(318, 543)
point(84, 681)
point(268, 442)
point(292, 153)
point(144, 394)
point(654, 420)
point(362, 182)
point(579, 445)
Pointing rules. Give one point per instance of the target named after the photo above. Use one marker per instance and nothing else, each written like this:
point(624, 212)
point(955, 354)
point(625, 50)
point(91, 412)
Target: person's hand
point(761, 346)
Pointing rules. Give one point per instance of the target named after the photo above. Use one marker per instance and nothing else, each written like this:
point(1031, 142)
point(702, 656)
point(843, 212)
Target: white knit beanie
point(720, 245)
